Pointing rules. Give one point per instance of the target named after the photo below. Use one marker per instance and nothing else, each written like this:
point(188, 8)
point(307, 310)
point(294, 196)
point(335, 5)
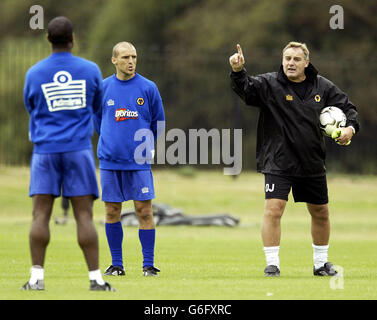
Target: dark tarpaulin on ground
point(166, 215)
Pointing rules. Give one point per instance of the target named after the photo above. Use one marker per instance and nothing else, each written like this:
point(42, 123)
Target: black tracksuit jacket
point(289, 139)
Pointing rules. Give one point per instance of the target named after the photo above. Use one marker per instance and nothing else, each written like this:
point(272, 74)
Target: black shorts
point(311, 190)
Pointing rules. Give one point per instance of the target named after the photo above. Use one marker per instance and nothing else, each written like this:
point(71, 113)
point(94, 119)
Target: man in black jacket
point(290, 145)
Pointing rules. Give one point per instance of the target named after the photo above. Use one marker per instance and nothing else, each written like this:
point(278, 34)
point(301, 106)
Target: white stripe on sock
point(37, 273)
point(96, 275)
point(319, 255)
point(272, 256)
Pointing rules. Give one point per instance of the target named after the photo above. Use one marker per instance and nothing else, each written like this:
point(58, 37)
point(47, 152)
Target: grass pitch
point(201, 263)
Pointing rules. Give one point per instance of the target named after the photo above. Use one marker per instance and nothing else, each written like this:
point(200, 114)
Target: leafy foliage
point(184, 46)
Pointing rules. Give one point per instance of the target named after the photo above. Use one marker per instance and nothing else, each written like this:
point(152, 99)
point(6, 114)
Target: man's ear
point(113, 60)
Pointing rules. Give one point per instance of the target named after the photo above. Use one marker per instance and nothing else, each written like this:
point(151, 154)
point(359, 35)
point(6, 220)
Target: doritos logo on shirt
point(125, 114)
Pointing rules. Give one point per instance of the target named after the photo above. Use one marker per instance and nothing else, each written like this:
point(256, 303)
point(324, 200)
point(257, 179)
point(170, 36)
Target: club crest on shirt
point(288, 97)
point(125, 114)
point(317, 98)
point(140, 101)
point(110, 102)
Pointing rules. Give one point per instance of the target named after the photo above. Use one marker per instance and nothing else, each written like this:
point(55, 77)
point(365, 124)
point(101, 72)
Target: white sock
point(319, 255)
point(37, 273)
point(96, 275)
point(272, 256)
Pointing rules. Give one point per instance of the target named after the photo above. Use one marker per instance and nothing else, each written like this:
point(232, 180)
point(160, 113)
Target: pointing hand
point(237, 60)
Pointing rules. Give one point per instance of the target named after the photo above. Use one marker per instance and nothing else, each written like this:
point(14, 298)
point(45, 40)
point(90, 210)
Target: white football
point(330, 119)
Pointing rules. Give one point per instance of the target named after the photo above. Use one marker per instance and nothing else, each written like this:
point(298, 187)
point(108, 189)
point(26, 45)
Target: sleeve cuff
point(243, 70)
point(353, 129)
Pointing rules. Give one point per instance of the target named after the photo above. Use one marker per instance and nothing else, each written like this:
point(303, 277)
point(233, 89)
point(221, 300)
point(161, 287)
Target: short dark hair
point(60, 31)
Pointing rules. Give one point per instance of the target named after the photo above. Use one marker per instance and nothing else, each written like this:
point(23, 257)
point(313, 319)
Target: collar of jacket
point(310, 72)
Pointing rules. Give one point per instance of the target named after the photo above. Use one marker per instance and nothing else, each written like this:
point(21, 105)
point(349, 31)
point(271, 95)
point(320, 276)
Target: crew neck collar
point(125, 81)
point(61, 53)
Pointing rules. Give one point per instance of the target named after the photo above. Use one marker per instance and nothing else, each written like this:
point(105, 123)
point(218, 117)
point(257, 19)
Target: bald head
point(122, 45)
point(124, 59)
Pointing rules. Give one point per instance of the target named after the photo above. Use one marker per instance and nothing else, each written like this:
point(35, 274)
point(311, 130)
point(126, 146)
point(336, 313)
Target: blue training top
point(61, 93)
point(131, 118)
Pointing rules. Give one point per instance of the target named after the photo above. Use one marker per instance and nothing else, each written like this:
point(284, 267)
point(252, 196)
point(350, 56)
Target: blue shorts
point(121, 185)
point(74, 172)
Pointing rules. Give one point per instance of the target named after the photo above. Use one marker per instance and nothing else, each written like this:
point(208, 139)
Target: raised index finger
point(239, 50)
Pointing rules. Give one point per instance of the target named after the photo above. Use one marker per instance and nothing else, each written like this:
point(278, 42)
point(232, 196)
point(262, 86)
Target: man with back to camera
point(131, 103)
point(61, 93)
point(290, 145)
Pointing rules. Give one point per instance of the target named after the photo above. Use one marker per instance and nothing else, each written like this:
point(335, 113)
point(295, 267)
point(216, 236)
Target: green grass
point(200, 263)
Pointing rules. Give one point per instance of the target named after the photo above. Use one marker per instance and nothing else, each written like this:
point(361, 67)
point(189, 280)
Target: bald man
point(131, 104)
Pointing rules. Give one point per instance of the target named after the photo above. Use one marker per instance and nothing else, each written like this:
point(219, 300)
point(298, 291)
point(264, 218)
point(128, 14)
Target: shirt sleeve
point(339, 99)
point(97, 102)
point(248, 88)
point(157, 111)
point(27, 94)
